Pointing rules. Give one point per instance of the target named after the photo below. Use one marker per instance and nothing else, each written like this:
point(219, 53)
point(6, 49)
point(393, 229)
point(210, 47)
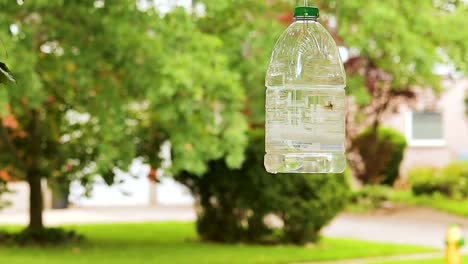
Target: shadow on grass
point(40, 237)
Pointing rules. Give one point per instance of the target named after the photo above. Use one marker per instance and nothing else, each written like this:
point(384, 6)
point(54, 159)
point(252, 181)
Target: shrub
point(451, 181)
point(235, 205)
point(45, 236)
point(422, 181)
point(371, 196)
point(382, 154)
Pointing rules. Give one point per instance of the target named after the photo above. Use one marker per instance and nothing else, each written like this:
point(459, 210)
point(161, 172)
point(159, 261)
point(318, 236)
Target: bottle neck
point(305, 18)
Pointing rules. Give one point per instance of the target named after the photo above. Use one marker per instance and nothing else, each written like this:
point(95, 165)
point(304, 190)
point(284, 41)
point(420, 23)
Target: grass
point(439, 202)
point(177, 243)
point(377, 194)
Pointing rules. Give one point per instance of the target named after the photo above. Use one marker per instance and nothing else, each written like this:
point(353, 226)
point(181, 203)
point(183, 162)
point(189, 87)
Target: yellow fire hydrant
point(453, 242)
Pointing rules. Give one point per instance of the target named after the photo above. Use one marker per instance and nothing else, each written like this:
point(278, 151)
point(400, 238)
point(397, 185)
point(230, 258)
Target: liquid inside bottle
point(305, 100)
point(305, 129)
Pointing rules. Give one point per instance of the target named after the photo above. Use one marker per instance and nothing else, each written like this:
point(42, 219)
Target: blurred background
point(118, 116)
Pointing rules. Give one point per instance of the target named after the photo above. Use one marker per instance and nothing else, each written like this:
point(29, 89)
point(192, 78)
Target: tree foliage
point(99, 83)
point(199, 100)
point(66, 114)
point(393, 47)
point(248, 30)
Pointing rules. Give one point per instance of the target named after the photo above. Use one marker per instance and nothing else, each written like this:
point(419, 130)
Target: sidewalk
point(381, 259)
point(88, 215)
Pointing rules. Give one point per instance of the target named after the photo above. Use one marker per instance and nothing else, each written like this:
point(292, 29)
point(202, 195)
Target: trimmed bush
point(382, 154)
point(371, 196)
point(456, 176)
point(423, 181)
point(251, 205)
point(451, 181)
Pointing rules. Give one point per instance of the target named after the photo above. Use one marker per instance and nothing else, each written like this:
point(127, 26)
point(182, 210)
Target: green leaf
point(5, 75)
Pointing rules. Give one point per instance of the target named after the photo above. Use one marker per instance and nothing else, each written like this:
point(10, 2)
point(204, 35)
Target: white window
point(424, 129)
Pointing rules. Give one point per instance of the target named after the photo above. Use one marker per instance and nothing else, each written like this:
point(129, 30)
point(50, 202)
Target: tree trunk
point(33, 174)
point(35, 201)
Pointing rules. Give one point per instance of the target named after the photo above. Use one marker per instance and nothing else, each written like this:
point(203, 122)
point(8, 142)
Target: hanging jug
point(305, 100)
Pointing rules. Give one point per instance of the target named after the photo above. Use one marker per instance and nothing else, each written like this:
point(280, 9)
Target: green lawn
point(439, 202)
point(459, 207)
point(177, 243)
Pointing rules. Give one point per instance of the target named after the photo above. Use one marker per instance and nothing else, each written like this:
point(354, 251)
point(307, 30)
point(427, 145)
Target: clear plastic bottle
point(305, 100)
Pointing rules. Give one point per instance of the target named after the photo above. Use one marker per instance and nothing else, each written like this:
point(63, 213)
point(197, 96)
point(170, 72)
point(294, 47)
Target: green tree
point(249, 30)
point(394, 46)
point(230, 211)
point(100, 82)
point(65, 60)
point(198, 104)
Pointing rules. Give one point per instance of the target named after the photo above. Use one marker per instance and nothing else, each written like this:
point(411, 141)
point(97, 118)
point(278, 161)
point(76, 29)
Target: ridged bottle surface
point(305, 102)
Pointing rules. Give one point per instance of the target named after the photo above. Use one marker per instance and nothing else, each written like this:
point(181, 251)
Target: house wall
point(455, 118)
point(455, 127)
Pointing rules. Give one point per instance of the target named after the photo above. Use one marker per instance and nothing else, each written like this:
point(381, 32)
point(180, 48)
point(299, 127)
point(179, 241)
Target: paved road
point(418, 226)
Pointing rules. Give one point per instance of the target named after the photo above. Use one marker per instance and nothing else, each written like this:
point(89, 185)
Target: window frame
point(412, 142)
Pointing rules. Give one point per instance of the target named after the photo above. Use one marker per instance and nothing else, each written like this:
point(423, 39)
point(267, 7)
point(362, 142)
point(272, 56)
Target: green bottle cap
point(306, 11)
